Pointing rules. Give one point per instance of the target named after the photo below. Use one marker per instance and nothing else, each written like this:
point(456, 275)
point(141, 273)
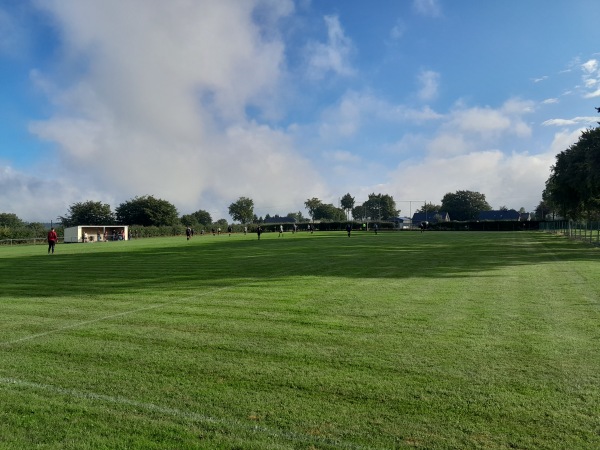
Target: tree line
point(148, 211)
point(573, 188)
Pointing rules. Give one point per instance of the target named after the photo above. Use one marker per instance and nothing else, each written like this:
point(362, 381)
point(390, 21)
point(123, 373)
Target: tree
point(297, 216)
point(88, 213)
point(10, 220)
point(242, 210)
point(189, 220)
point(328, 212)
point(222, 223)
point(380, 207)
point(429, 208)
point(543, 210)
point(464, 205)
point(311, 205)
point(359, 212)
point(147, 211)
point(203, 217)
point(574, 183)
point(347, 204)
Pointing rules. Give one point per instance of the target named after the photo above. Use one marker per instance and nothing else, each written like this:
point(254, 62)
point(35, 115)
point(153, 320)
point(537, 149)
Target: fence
point(583, 231)
point(29, 241)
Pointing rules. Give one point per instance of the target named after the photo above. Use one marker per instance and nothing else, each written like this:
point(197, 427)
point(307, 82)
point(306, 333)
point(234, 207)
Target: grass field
point(397, 340)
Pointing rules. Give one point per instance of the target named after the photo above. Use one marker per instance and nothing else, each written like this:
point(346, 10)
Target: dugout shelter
point(96, 233)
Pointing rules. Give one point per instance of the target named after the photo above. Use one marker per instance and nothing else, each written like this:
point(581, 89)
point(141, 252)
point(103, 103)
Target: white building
point(97, 233)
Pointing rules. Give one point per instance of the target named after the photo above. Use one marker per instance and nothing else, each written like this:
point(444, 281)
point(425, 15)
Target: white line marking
point(111, 316)
point(181, 414)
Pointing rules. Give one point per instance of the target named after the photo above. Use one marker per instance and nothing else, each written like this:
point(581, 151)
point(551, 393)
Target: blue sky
point(201, 102)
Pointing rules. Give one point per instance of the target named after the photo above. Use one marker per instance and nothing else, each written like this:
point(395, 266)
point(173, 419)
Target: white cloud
point(490, 123)
point(593, 94)
point(160, 107)
point(590, 66)
point(341, 156)
point(429, 83)
point(430, 8)
point(550, 101)
point(332, 56)
point(568, 122)
point(36, 199)
point(540, 79)
point(515, 179)
point(398, 30)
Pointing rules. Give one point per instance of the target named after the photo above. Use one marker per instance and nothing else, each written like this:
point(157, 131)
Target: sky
point(200, 102)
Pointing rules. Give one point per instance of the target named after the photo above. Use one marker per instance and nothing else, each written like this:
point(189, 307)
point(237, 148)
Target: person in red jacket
point(52, 238)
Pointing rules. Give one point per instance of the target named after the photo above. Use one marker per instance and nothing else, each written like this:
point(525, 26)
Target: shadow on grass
point(173, 265)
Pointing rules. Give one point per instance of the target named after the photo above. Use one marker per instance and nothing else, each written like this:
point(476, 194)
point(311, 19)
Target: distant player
point(52, 239)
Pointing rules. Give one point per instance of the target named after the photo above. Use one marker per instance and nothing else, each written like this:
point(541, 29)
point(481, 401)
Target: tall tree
point(347, 204)
point(359, 212)
point(203, 217)
point(464, 205)
point(88, 213)
point(574, 183)
point(147, 211)
point(311, 205)
point(242, 210)
point(381, 207)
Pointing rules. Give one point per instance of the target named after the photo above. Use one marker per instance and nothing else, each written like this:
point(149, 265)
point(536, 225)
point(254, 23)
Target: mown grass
point(397, 340)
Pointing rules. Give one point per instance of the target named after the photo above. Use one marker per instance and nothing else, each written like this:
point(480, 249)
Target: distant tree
point(464, 205)
point(10, 220)
point(544, 209)
point(147, 211)
point(222, 223)
point(429, 208)
point(88, 213)
point(347, 203)
point(37, 229)
point(242, 210)
point(297, 216)
point(328, 212)
point(381, 207)
point(522, 210)
point(359, 212)
point(203, 217)
point(311, 205)
point(503, 208)
point(189, 220)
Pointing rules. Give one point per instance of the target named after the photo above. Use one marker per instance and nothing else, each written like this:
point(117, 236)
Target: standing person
point(375, 227)
point(245, 230)
point(280, 230)
point(229, 230)
point(258, 231)
point(52, 239)
point(188, 233)
point(348, 229)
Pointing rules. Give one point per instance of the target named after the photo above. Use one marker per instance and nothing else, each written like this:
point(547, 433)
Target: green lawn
point(397, 340)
